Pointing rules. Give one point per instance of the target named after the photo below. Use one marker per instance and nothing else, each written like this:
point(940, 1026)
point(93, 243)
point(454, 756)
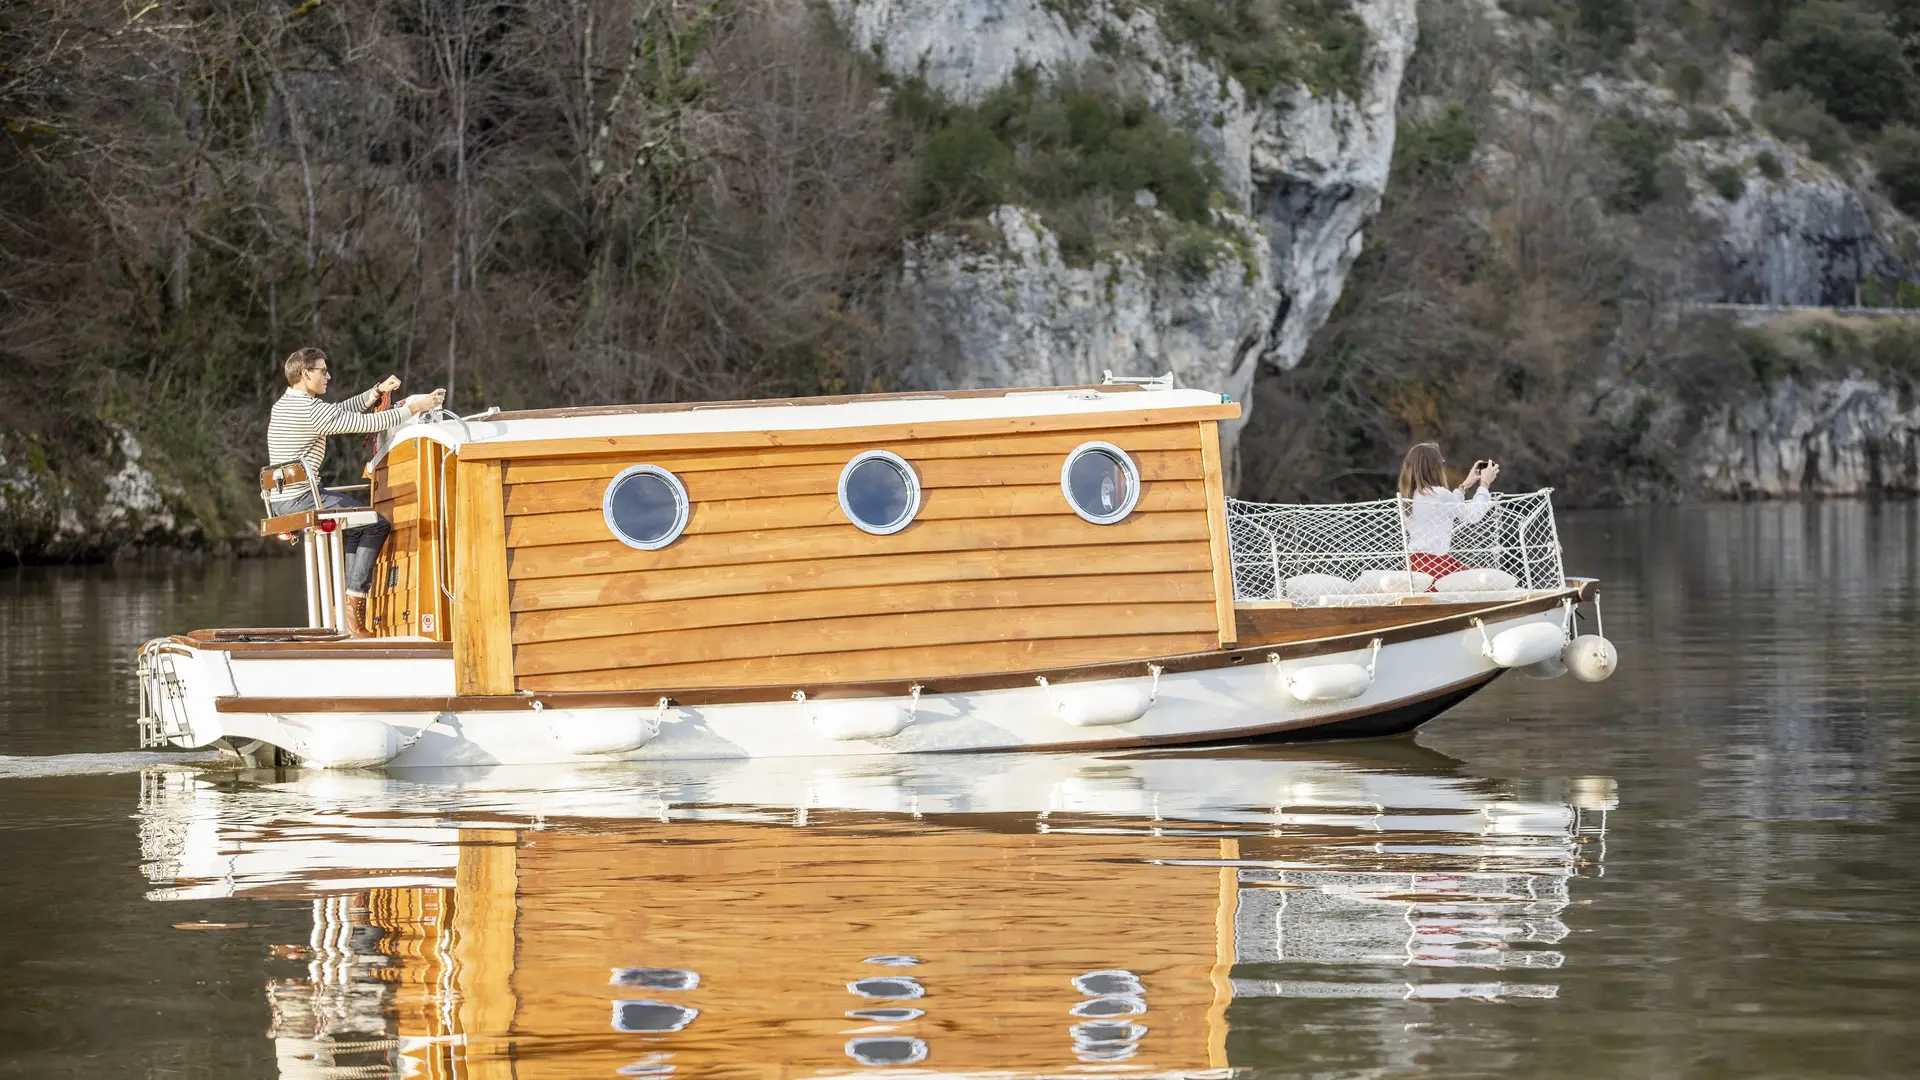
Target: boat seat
point(287, 478)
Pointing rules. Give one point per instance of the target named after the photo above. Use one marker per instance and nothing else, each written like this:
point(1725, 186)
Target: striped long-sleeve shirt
point(301, 423)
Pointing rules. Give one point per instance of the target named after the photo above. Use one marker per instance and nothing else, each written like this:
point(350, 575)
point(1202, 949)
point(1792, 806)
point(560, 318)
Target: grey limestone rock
point(1847, 436)
point(43, 515)
point(1801, 240)
point(1020, 316)
point(1301, 174)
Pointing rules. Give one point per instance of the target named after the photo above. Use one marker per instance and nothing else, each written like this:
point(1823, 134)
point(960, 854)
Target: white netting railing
point(1355, 554)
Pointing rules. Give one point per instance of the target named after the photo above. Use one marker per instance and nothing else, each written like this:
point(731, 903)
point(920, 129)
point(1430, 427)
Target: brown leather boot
point(357, 617)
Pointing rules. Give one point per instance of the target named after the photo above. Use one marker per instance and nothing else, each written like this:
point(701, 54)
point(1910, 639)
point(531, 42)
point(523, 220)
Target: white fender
point(1315, 683)
point(1518, 646)
point(347, 743)
point(847, 721)
point(1328, 682)
point(1102, 704)
point(600, 732)
point(1590, 657)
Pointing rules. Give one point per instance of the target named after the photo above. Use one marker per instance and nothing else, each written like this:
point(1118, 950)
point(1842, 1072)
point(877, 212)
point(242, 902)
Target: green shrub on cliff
point(1638, 148)
point(1061, 150)
point(1271, 43)
point(1845, 56)
point(1605, 26)
point(1898, 158)
point(1729, 180)
point(1795, 114)
point(1436, 151)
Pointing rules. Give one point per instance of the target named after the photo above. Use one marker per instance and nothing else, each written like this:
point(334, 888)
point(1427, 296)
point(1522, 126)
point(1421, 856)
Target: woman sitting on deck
point(1433, 509)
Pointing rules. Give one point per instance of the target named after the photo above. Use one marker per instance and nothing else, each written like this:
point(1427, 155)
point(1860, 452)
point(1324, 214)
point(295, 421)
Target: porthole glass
point(879, 492)
point(646, 507)
point(1101, 482)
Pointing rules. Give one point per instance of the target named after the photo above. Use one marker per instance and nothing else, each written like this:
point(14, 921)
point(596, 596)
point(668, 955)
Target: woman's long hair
point(1425, 467)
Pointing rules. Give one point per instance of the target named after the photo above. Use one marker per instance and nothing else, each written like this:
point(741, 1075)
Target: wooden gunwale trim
point(320, 648)
point(828, 399)
point(828, 436)
point(444, 651)
point(1261, 627)
point(598, 699)
point(228, 633)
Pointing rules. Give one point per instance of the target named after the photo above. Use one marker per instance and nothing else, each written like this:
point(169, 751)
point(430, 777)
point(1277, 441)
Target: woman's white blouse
point(1435, 513)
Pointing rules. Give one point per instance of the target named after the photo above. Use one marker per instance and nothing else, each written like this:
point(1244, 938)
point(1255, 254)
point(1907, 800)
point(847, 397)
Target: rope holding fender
point(1486, 643)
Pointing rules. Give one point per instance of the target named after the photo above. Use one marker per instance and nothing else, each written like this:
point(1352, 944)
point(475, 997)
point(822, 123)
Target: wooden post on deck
point(1215, 480)
point(482, 634)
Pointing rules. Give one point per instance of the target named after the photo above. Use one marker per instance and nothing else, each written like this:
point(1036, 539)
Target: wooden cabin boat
point(891, 573)
point(1033, 915)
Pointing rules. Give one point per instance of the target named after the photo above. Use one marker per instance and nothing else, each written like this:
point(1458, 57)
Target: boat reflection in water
point(1013, 914)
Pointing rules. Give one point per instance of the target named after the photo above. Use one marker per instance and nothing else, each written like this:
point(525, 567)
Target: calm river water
point(1705, 867)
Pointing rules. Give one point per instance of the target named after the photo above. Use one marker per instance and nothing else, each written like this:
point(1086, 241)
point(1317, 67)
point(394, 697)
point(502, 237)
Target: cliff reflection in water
point(1023, 913)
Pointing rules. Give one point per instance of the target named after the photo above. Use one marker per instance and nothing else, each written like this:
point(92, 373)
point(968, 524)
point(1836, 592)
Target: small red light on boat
point(328, 525)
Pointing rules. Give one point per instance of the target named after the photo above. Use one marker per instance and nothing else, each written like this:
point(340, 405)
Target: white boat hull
point(1414, 680)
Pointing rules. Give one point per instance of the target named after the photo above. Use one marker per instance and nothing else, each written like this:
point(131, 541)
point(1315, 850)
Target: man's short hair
point(301, 361)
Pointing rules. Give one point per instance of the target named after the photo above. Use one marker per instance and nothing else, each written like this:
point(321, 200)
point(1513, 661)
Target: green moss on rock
point(1077, 157)
point(1266, 44)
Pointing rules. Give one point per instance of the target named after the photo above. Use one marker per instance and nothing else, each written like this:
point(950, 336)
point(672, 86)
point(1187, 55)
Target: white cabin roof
point(931, 407)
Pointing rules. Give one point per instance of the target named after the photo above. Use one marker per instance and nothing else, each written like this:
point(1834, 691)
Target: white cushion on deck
point(1484, 579)
point(1393, 581)
point(1307, 588)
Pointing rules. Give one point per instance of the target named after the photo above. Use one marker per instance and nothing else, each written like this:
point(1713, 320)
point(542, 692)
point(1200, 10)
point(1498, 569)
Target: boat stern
point(178, 683)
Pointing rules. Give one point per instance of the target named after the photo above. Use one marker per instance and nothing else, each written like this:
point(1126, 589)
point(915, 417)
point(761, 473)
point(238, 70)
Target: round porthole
point(1101, 482)
point(879, 492)
point(646, 507)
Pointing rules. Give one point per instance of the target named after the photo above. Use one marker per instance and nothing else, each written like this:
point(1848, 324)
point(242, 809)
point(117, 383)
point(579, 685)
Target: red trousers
point(1435, 566)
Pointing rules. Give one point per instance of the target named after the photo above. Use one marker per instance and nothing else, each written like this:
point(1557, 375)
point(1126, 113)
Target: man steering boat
point(298, 429)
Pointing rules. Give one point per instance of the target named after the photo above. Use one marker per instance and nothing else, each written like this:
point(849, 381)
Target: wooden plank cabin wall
point(392, 607)
point(406, 488)
point(435, 609)
point(771, 585)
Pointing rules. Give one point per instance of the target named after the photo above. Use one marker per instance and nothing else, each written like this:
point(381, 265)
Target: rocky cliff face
point(113, 508)
point(1300, 174)
point(1805, 237)
point(1018, 315)
point(1847, 436)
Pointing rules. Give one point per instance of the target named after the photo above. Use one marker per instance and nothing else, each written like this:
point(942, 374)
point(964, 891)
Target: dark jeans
point(362, 545)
